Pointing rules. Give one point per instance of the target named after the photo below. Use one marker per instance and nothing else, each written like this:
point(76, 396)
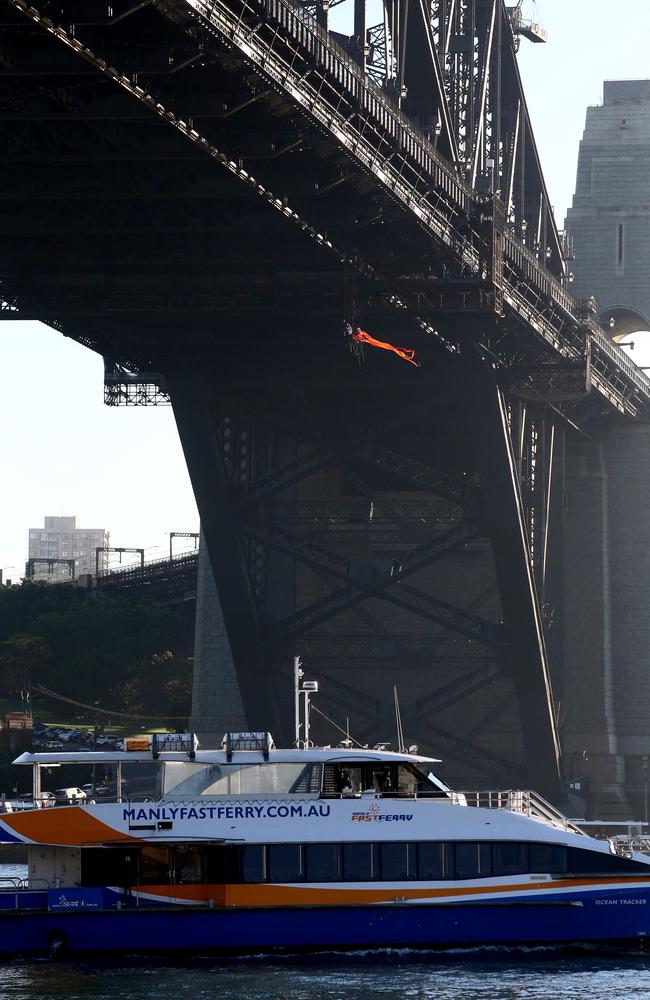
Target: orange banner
point(408, 353)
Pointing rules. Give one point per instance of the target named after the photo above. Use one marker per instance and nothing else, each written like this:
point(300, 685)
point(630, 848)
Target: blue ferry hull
point(580, 918)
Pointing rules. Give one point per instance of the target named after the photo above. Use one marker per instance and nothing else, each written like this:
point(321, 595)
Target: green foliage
point(111, 652)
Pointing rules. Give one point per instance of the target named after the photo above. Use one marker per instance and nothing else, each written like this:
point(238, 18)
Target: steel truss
point(461, 58)
point(171, 580)
point(243, 131)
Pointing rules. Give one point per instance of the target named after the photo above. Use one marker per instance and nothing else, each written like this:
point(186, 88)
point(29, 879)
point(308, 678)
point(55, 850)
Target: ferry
point(251, 849)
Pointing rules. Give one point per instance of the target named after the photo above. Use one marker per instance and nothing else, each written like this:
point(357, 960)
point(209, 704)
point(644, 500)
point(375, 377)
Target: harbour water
point(475, 974)
point(390, 976)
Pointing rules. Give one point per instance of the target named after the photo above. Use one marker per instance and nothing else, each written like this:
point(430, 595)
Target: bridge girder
point(230, 190)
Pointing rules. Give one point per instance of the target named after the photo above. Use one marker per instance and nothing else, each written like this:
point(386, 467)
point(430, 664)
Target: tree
point(22, 658)
point(114, 652)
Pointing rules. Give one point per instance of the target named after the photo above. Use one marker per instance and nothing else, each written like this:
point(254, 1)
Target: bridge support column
point(195, 396)
point(503, 513)
point(607, 627)
point(217, 705)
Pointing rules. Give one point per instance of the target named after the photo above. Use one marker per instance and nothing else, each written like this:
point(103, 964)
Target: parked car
point(99, 789)
point(52, 745)
point(70, 794)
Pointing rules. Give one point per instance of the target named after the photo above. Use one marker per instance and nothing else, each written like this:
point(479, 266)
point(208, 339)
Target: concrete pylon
point(609, 219)
point(216, 700)
point(606, 729)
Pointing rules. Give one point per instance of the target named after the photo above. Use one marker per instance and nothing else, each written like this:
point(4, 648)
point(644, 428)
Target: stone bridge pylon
point(606, 731)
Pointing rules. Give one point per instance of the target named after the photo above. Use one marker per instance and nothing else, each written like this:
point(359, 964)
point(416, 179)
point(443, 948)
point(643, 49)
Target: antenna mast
point(304, 688)
point(297, 674)
point(398, 720)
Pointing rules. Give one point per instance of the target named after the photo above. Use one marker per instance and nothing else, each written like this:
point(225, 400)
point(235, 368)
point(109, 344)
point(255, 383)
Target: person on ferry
point(382, 782)
point(345, 781)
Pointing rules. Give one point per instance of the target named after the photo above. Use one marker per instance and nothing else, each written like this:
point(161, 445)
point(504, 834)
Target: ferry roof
point(289, 756)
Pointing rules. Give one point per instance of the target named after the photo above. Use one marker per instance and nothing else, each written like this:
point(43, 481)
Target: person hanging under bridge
point(360, 336)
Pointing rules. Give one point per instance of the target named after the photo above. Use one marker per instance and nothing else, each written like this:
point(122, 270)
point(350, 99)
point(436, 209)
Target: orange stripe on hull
point(282, 895)
point(66, 826)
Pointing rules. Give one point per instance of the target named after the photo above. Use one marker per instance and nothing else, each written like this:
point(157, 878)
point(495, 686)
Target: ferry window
point(357, 862)
point(393, 862)
point(547, 858)
point(322, 862)
point(430, 861)
point(154, 864)
point(189, 864)
point(472, 860)
point(588, 862)
point(466, 860)
point(485, 859)
point(109, 866)
point(91, 866)
point(186, 778)
point(284, 863)
point(343, 779)
point(331, 782)
point(142, 779)
point(272, 778)
point(268, 779)
point(252, 863)
point(384, 780)
point(309, 780)
point(510, 859)
point(218, 870)
point(407, 781)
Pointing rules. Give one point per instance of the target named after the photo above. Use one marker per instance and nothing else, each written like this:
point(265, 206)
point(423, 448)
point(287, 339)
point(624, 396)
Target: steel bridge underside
point(203, 192)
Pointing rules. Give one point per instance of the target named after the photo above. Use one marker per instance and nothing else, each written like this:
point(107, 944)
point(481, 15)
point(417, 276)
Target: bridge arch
point(627, 320)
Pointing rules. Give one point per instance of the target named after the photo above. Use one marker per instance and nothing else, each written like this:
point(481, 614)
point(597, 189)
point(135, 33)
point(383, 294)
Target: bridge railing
point(440, 175)
point(619, 357)
point(294, 48)
point(332, 58)
point(158, 570)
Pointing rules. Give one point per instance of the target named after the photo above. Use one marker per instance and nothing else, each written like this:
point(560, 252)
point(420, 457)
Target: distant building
point(62, 538)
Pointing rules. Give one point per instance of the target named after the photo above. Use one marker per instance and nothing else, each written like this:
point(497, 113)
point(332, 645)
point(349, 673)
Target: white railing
point(11, 882)
point(523, 802)
point(27, 882)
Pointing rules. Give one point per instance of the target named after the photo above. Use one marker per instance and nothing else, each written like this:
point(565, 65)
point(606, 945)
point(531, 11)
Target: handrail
point(520, 801)
point(615, 378)
point(29, 884)
point(178, 559)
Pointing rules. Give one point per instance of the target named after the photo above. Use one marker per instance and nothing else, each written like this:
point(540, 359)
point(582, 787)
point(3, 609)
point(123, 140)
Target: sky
point(63, 452)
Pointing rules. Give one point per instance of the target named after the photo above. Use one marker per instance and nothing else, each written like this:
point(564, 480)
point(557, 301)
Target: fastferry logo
point(279, 810)
point(375, 815)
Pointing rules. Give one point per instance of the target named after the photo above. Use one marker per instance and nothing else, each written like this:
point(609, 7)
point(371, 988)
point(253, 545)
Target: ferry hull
point(577, 919)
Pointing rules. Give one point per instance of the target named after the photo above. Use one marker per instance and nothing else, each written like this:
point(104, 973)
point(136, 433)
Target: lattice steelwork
point(230, 180)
